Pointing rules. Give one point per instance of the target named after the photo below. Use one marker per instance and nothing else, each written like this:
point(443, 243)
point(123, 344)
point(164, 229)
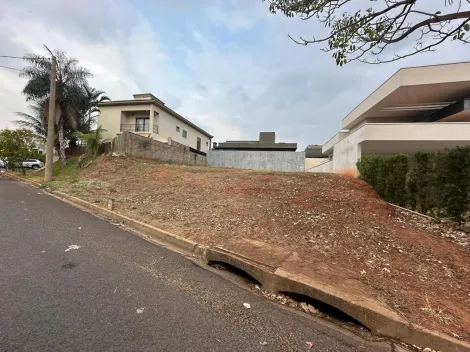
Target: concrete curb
point(262, 273)
point(380, 320)
point(179, 242)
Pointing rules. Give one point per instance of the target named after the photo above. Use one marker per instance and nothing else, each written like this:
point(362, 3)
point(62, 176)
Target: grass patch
point(66, 173)
point(59, 173)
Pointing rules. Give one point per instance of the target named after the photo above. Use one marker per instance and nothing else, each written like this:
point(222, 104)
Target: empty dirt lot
point(337, 225)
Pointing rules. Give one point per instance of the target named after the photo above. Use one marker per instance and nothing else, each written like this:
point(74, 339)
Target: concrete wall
point(312, 162)
point(257, 160)
point(326, 166)
point(425, 131)
point(142, 147)
point(396, 138)
point(111, 118)
point(347, 152)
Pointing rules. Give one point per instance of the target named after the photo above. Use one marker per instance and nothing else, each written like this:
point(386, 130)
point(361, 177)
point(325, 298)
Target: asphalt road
point(118, 292)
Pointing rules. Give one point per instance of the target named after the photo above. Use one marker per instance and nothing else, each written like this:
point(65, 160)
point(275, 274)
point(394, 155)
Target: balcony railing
point(138, 128)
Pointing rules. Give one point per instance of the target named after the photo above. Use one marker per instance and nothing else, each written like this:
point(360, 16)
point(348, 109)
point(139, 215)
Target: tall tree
point(70, 80)
point(90, 110)
point(34, 121)
point(16, 146)
point(361, 32)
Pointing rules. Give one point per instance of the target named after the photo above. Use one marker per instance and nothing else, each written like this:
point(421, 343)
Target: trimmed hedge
point(431, 183)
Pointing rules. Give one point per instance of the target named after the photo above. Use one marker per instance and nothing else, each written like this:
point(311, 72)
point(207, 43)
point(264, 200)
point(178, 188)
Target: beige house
point(148, 116)
point(417, 109)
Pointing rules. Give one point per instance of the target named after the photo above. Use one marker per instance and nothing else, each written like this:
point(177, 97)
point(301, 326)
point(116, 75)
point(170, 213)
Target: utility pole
point(51, 125)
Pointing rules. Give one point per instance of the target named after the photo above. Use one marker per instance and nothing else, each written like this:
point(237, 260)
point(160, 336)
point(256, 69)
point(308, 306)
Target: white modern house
point(417, 109)
point(148, 116)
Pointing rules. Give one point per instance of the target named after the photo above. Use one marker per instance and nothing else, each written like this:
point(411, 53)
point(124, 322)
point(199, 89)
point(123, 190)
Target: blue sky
point(226, 65)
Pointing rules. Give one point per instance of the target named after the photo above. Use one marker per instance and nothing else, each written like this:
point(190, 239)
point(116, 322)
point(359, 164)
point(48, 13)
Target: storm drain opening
point(235, 272)
point(321, 309)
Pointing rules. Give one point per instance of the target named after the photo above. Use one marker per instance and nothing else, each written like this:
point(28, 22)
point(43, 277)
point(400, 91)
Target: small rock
point(247, 305)
point(427, 349)
point(264, 343)
point(312, 309)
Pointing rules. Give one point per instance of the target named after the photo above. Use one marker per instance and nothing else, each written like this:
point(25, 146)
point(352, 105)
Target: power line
point(10, 68)
point(23, 57)
point(12, 57)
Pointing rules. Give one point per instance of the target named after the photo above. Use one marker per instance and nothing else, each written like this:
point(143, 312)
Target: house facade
point(417, 109)
point(148, 116)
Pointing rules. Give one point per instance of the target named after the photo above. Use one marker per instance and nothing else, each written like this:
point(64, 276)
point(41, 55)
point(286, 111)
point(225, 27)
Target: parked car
point(33, 164)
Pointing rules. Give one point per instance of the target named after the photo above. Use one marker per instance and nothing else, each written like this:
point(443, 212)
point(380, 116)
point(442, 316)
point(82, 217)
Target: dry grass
point(338, 228)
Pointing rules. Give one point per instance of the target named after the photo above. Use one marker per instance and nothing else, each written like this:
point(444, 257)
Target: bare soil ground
point(333, 222)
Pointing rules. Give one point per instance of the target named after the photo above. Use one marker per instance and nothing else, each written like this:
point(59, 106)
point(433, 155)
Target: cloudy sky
point(227, 65)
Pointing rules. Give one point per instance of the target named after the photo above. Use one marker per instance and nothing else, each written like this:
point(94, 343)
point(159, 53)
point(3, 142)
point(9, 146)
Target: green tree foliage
point(92, 140)
point(432, 183)
point(34, 121)
point(364, 29)
point(16, 146)
point(92, 98)
point(76, 102)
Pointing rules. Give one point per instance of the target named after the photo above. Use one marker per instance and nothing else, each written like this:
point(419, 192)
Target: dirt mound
point(337, 225)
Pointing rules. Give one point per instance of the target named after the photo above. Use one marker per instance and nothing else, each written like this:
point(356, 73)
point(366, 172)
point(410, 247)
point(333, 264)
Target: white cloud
point(232, 87)
point(236, 14)
point(121, 65)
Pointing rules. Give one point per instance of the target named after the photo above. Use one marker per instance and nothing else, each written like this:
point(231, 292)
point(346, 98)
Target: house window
point(177, 128)
point(142, 124)
point(185, 134)
point(198, 143)
point(207, 144)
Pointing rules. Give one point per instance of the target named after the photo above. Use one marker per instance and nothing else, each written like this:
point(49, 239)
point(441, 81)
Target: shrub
point(387, 175)
point(456, 175)
point(437, 183)
point(420, 182)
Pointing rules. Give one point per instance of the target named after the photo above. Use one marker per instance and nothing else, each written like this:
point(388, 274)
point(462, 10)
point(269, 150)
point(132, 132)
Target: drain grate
point(324, 309)
point(247, 278)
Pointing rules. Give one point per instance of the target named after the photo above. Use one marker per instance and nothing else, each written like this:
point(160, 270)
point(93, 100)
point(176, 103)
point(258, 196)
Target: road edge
point(380, 321)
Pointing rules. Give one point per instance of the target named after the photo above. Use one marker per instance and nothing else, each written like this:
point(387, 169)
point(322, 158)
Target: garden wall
point(143, 147)
point(257, 160)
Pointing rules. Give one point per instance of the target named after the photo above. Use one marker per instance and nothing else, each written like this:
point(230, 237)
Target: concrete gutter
point(379, 319)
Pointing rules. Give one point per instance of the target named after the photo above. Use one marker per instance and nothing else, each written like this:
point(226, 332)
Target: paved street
point(72, 282)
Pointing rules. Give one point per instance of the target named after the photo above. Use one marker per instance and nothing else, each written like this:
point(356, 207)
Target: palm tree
point(92, 98)
point(92, 139)
point(34, 122)
point(37, 122)
point(70, 80)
